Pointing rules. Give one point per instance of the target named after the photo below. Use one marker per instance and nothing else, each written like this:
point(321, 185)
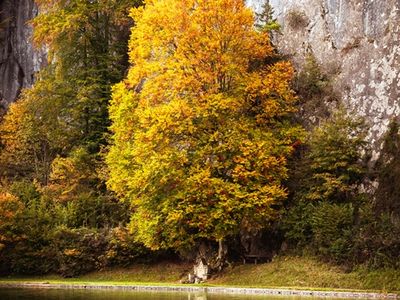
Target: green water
point(55, 294)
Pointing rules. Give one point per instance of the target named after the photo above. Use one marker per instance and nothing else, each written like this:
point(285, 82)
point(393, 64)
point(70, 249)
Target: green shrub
point(30, 257)
point(297, 224)
point(324, 213)
point(387, 171)
point(82, 250)
point(332, 230)
point(25, 190)
point(336, 163)
point(377, 243)
point(323, 229)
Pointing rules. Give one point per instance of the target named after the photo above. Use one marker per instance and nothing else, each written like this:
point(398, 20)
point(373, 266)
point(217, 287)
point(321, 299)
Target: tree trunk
point(215, 260)
point(222, 252)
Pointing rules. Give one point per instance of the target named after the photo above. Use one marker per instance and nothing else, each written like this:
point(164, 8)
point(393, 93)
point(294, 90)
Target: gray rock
point(19, 61)
point(358, 38)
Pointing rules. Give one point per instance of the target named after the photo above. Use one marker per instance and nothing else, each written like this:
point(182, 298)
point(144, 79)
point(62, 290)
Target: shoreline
point(208, 290)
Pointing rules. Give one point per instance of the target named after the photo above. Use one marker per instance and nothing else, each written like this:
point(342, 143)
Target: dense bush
point(325, 229)
point(83, 250)
point(121, 249)
point(329, 214)
point(324, 211)
point(77, 250)
point(378, 241)
point(388, 173)
point(40, 234)
point(332, 230)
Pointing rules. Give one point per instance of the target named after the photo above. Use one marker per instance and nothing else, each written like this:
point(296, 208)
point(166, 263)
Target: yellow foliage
point(200, 140)
point(72, 252)
point(10, 207)
point(32, 132)
point(70, 176)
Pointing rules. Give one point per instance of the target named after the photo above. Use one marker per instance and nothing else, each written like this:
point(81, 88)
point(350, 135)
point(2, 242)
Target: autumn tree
point(10, 207)
point(66, 109)
point(201, 128)
point(36, 129)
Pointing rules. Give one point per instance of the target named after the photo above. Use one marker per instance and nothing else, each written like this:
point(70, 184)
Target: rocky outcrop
point(358, 42)
point(19, 61)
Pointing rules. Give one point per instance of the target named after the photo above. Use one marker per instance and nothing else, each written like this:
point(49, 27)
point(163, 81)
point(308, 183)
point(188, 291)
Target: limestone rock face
point(19, 61)
point(359, 40)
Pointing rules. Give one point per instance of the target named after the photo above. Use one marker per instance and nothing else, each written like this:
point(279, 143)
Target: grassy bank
point(283, 272)
point(300, 272)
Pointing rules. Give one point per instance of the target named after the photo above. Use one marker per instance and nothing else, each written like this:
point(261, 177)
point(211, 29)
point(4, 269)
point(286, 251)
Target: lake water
point(80, 294)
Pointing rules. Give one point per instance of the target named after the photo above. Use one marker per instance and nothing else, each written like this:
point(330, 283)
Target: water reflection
point(55, 294)
point(197, 297)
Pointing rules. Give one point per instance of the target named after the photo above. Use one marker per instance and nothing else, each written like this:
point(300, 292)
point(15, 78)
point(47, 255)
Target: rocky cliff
point(359, 40)
point(18, 59)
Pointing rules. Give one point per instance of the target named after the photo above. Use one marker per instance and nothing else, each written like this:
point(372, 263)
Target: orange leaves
point(259, 162)
point(33, 129)
point(18, 137)
point(207, 44)
point(9, 207)
point(193, 147)
point(278, 81)
point(269, 92)
point(12, 126)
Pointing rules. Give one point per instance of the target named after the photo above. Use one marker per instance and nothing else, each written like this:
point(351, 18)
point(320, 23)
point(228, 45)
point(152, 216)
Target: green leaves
point(335, 157)
point(325, 215)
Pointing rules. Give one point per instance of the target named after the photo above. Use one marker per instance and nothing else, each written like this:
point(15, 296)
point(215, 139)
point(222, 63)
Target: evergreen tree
point(87, 43)
point(335, 157)
point(325, 209)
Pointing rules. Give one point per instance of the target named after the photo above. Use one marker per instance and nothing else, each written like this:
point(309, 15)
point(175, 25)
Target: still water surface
point(55, 294)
